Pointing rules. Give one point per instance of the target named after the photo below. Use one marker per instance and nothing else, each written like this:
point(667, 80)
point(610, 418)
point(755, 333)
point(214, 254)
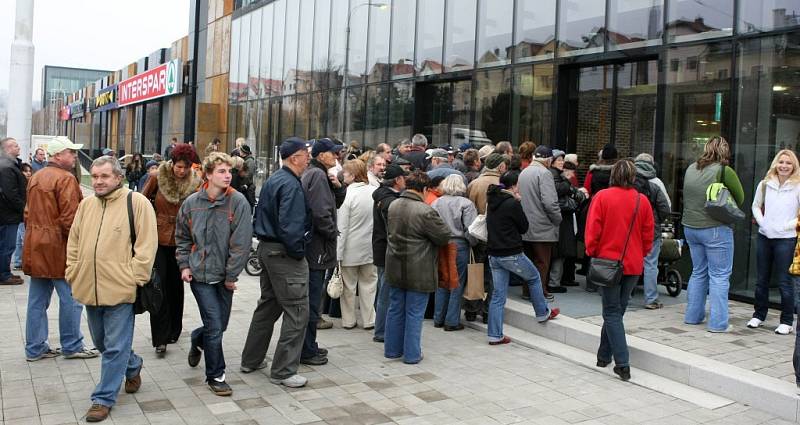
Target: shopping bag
point(474, 289)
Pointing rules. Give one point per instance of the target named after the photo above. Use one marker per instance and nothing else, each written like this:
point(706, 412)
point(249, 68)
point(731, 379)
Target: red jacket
point(607, 225)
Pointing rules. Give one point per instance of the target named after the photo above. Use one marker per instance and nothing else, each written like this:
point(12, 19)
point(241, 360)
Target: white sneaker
point(294, 381)
point(754, 323)
point(84, 353)
point(721, 331)
point(783, 329)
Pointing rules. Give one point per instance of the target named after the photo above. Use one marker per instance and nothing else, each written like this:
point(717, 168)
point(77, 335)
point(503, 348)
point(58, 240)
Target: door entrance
point(442, 112)
point(610, 104)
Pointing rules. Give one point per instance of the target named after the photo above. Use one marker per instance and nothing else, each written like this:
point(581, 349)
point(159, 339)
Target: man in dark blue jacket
point(283, 225)
point(12, 205)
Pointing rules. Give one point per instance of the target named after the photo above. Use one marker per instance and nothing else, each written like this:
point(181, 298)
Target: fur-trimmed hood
point(173, 190)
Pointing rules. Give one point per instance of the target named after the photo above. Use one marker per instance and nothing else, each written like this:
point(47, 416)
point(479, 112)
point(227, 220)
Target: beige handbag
point(474, 289)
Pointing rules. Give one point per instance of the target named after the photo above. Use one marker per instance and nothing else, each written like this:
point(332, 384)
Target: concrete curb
point(763, 392)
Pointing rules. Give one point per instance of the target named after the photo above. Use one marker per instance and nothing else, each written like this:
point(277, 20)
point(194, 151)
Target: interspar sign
point(164, 80)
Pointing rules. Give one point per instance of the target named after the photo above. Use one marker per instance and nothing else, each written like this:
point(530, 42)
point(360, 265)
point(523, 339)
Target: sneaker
point(457, 327)
point(556, 289)
point(294, 381)
point(322, 352)
point(314, 360)
point(377, 339)
point(194, 356)
point(602, 363)
point(132, 385)
point(84, 353)
point(552, 314)
point(624, 372)
point(653, 305)
point(754, 323)
point(324, 324)
point(438, 325)
point(219, 388)
point(97, 413)
point(783, 329)
point(161, 350)
point(245, 369)
point(49, 354)
point(13, 280)
point(505, 340)
point(548, 297)
point(721, 331)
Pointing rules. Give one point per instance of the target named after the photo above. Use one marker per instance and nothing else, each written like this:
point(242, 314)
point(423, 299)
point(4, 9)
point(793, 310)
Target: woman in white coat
point(775, 207)
point(354, 247)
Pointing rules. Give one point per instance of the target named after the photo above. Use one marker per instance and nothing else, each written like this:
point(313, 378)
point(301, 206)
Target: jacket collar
point(493, 173)
point(411, 195)
point(114, 195)
point(221, 199)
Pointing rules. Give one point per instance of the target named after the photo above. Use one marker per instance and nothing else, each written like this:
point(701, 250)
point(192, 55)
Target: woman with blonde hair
point(710, 241)
point(775, 207)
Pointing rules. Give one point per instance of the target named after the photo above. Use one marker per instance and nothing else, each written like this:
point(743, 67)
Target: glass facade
point(654, 76)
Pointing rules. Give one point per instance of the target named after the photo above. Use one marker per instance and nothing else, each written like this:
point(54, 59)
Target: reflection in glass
point(234, 87)
point(635, 108)
point(379, 22)
point(693, 19)
point(322, 28)
point(402, 51)
point(582, 27)
point(494, 32)
point(338, 49)
point(244, 58)
point(433, 109)
point(278, 37)
point(302, 114)
point(532, 110)
point(401, 110)
point(254, 56)
point(354, 116)
point(288, 108)
point(768, 15)
point(430, 27)
point(265, 89)
point(304, 76)
point(290, 51)
point(318, 117)
point(251, 126)
point(357, 50)
point(377, 110)
point(336, 113)
point(591, 112)
point(493, 103)
point(459, 39)
point(635, 23)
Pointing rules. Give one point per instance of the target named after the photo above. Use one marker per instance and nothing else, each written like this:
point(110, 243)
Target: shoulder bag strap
point(630, 228)
point(130, 222)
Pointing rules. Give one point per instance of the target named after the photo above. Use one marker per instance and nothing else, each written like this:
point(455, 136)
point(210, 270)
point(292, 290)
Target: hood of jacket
point(495, 196)
point(645, 169)
point(600, 167)
point(175, 191)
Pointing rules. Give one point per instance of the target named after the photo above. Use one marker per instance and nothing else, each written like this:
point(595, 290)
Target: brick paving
point(461, 380)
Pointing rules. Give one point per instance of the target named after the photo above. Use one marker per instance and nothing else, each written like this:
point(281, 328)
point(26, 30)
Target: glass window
point(253, 57)
point(635, 23)
point(306, 46)
point(319, 115)
point(635, 107)
point(693, 19)
point(266, 50)
point(278, 37)
point(767, 15)
point(378, 54)
point(287, 117)
point(493, 104)
point(401, 111)
point(430, 27)
point(322, 29)
point(354, 116)
point(459, 39)
point(403, 24)
point(234, 86)
point(536, 29)
point(495, 27)
point(336, 113)
point(290, 51)
point(252, 125)
point(338, 37)
point(581, 27)
point(532, 107)
point(358, 23)
point(152, 128)
point(377, 110)
point(244, 58)
point(302, 114)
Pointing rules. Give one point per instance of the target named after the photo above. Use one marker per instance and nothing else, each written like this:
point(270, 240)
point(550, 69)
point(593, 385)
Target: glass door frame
point(420, 108)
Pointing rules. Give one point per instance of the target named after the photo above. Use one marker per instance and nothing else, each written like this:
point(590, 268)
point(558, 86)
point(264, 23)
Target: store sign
point(105, 100)
point(77, 109)
point(164, 80)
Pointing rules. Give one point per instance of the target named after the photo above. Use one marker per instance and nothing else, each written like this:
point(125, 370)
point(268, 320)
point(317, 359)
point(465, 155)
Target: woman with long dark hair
point(134, 171)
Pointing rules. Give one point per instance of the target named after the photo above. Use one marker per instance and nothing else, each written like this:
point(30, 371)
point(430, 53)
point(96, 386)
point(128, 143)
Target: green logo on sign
point(172, 78)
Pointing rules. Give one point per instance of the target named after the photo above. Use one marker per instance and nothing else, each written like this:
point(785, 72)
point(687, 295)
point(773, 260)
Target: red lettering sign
point(150, 84)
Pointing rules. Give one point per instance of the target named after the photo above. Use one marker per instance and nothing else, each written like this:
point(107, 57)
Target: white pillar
point(20, 90)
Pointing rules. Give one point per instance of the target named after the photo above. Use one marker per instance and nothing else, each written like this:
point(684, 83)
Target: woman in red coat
point(614, 212)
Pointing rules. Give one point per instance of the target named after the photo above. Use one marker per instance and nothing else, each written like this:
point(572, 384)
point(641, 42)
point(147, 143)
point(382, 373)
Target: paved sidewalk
point(461, 380)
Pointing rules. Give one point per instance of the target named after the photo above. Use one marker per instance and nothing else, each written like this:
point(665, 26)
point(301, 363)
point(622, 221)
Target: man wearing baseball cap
point(283, 225)
point(53, 198)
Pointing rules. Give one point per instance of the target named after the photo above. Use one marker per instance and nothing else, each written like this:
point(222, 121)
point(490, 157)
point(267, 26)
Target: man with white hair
point(375, 168)
point(416, 156)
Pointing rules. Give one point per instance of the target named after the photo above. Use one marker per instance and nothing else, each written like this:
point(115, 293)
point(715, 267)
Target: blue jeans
point(381, 304)
point(612, 335)
point(712, 262)
point(214, 303)
point(17, 260)
point(8, 241)
point(404, 324)
point(447, 304)
point(112, 332)
point(69, 317)
point(502, 267)
point(316, 281)
point(651, 273)
point(777, 253)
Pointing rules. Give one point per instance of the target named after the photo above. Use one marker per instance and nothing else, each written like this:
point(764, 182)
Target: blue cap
point(150, 163)
point(292, 145)
point(325, 145)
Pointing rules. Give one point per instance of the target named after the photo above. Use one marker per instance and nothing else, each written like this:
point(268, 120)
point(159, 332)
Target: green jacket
point(695, 183)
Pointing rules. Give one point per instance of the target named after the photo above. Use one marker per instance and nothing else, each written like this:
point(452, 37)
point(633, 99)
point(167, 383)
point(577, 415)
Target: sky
point(95, 34)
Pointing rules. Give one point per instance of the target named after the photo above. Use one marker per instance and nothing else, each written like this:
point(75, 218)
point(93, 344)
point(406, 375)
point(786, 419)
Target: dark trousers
point(540, 254)
point(612, 336)
point(470, 307)
point(8, 243)
point(166, 325)
point(569, 270)
point(777, 253)
point(214, 303)
point(316, 281)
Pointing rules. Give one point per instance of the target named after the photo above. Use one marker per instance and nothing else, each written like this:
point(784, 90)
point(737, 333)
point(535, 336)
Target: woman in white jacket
point(775, 208)
point(354, 247)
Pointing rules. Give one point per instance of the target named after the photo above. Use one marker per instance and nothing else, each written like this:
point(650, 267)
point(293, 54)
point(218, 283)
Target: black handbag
point(150, 296)
point(608, 273)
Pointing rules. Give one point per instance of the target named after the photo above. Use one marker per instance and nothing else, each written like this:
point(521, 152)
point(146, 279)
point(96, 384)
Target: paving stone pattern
point(461, 380)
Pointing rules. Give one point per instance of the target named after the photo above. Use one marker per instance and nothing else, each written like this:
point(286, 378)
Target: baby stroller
point(253, 266)
point(671, 250)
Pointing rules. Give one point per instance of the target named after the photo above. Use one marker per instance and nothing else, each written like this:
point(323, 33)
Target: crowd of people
point(397, 227)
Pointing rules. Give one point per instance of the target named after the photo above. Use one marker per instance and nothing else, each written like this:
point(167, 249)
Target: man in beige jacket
point(104, 270)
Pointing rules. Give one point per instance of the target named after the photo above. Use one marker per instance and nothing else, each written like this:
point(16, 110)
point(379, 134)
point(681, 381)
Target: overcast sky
point(96, 34)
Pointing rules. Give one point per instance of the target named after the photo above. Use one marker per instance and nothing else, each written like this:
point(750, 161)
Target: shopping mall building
point(655, 76)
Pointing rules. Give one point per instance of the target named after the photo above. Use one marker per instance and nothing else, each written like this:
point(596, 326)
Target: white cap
point(61, 143)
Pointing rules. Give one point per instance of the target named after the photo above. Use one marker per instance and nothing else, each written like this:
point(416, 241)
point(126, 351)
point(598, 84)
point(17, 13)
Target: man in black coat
point(12, 207)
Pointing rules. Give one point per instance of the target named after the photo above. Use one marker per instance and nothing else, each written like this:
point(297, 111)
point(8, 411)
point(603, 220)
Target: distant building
point(59, 81)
